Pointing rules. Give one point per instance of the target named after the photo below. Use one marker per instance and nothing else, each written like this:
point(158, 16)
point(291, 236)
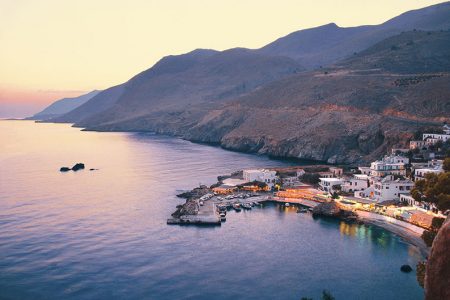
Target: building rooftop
point(333, 179)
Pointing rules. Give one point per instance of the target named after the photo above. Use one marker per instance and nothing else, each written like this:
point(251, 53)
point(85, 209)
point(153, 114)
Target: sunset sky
point(51, 49)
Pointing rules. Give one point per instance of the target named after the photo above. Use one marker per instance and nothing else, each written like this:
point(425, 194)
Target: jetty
point(200, 213)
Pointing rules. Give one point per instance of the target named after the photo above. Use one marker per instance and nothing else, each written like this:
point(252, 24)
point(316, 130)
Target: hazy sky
point(56, 48)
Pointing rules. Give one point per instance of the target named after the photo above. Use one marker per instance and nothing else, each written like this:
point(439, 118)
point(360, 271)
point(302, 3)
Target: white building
point(446, 129)
point(433, 138)
point(364, 170)
point(388, 188)
point(267, 176)
point(389, 165)
point(410, 200)
point(358, 182)
point(326, 184)
point(420, 173)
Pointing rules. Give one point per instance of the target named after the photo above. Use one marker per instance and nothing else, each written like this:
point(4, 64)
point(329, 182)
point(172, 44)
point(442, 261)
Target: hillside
point(63, 106)
point(409, 52)
point(342, 114)
point(177, 82)
point(264, 101)
point(325, 45)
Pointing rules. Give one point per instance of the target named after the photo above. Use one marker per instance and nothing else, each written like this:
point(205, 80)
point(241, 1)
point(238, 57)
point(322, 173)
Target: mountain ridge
point(255, 101)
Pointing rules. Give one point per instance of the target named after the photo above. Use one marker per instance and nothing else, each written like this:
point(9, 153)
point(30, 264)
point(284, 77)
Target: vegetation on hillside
point(435, 188)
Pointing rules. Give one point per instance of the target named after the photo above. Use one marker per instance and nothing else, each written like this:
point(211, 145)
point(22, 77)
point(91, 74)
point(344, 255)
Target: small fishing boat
point(246, 206)
point(287, 204)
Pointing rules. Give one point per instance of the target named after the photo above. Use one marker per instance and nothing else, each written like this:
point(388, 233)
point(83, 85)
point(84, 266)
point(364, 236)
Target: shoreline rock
point(332, 209)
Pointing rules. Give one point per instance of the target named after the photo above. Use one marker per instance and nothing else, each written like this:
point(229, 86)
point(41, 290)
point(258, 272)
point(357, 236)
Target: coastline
point(412, 237)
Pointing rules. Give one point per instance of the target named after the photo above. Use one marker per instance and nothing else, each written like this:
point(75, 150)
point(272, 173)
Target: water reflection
point(103, 235)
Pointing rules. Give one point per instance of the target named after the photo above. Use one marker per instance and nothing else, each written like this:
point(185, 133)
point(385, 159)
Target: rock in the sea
point(78, 166)
point(64, 169)
point(437, 278)
point(406, 268)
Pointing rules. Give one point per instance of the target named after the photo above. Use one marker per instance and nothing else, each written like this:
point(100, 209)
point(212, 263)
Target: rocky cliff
point(437, 278)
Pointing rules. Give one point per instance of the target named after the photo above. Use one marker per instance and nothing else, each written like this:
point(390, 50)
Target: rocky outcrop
point(406, 268)
point(77, 167)
point(195, 193)
point(332, 209)
point(437, 278)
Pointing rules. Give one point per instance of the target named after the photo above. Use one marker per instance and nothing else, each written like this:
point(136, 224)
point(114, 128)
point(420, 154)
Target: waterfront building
point(389, 165)
point(358, 182)
point(289, 180)
point(407, 198)
point(389, 188)
point(224, 189)
point(326, 184)
point(269, 177)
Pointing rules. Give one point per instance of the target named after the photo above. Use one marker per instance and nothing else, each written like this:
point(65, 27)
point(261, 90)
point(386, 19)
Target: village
point(378, 193)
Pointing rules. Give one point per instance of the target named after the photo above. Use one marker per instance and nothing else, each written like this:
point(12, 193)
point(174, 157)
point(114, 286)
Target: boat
point(223, 218)
point(221, 208)
point(237, 207)
point(246, 206)
point(302, 210)
point(287, 204)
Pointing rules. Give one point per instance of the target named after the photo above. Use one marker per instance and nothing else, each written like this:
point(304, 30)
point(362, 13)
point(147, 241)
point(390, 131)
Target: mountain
point(203, 77)
point(347, 113)
point(328, 44)
point(63, 106)
point(264, 101)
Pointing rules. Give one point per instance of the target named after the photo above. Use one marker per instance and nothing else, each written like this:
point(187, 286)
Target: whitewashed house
point(364, 170)
point(420, 173)
point(326, 184)
point(446, 128)
point(433, 138)
point(388, 188)
point(263, 175)
point(358, 182)
point(410, 200)
point(389, 165)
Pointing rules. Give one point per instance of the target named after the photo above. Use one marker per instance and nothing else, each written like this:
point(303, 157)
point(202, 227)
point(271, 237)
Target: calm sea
point(103, 235)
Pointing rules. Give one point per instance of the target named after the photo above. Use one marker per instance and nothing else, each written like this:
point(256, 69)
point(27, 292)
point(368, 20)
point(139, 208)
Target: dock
point(206, 215)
